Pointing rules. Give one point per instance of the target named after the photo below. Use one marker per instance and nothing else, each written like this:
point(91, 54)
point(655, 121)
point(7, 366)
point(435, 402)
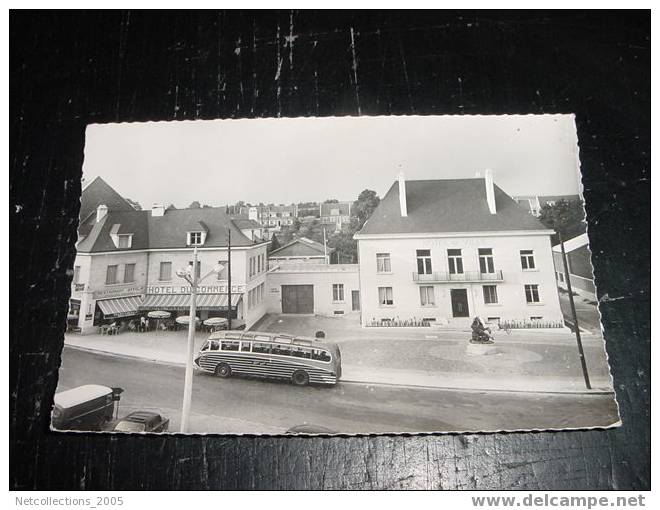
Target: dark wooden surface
point(68, 70)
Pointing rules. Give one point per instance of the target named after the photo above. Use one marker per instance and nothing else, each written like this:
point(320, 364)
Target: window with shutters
point(111, 275)
point(165, 273)
point(129, 273)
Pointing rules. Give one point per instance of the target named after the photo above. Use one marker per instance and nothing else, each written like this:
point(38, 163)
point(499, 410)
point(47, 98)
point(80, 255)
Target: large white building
point(449, 250)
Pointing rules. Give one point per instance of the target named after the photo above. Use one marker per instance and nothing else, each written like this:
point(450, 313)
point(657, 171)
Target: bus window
point(205, 347)
point(282, 350)
point(260, 347)
point(320, 355)
point(301, 352)
point(229, 345)
point(214, 345)
point(245, 346)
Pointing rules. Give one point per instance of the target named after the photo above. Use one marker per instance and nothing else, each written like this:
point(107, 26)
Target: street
point(265, 407)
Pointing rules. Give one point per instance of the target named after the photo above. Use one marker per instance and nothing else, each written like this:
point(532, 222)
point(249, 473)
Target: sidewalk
point(421, 362)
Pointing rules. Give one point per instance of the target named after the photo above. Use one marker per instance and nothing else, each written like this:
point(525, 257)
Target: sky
point(220, 162)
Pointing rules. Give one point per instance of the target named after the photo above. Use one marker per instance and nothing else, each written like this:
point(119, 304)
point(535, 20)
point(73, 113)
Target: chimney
point(101, 212)
point(402, 195)
point(490, 190)
point(158, 210)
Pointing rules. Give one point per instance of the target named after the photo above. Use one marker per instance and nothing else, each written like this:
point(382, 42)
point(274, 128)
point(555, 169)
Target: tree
point(331, 201)
point(344, 245)
point(565, 217)
point(194, 205)
point(135, 204)
point(365, 205)
point(274, 244)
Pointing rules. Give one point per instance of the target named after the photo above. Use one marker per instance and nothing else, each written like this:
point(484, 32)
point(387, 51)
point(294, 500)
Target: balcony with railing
point(467, 276)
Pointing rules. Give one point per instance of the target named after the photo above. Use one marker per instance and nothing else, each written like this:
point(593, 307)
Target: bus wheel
point(300, 378)
point(223, 370)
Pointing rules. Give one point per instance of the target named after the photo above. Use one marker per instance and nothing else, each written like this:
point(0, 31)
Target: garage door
point(297, 298)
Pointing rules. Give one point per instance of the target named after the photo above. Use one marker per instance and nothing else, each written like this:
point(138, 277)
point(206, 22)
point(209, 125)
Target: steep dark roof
point(301, 247)
point(167, 231)
point(448, 205)
point(100, 192)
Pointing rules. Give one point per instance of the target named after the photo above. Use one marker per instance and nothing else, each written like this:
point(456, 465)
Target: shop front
point(119, 305)
point(211, 302)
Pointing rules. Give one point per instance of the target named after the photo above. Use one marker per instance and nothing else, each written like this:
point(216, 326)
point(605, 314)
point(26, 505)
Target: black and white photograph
point(340, 275)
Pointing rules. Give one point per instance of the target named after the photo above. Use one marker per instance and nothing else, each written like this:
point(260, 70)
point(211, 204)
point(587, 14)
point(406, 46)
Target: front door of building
point(459, 303)
point(297, 298)
point(355, 300)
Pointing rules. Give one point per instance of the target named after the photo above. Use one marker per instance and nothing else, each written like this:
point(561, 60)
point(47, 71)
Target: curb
point(484, 390)
point(370, 383)
point(126, 356)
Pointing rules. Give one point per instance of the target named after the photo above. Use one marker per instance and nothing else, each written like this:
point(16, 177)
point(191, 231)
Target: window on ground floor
point(427, 296)
point(385, 296)
point(490, 294)
point(338, 292)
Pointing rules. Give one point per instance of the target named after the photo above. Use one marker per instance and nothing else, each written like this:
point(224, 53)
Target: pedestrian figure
point(480, 334)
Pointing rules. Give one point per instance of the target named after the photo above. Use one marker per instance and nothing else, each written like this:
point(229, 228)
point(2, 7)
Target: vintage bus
point(300, 360)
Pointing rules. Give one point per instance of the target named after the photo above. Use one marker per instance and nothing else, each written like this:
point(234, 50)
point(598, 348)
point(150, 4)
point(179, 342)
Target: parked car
point(87, 407)
point(142, 421)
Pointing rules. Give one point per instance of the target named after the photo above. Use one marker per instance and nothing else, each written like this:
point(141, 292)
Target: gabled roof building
point(444, 251)
point(301, 250)
point(127, 261)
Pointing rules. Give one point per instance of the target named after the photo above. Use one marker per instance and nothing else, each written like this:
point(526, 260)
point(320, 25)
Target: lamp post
point(583, 362)
point(190, 275)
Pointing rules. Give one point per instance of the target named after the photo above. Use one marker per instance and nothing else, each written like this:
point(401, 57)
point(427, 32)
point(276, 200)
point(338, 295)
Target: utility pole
point(187, 389)
point(229, 310)
point(325, 248)
point(575, 319)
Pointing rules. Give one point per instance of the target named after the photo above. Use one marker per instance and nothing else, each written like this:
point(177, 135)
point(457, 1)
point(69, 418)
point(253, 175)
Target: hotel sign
point(201, 289)
point(118, 292)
